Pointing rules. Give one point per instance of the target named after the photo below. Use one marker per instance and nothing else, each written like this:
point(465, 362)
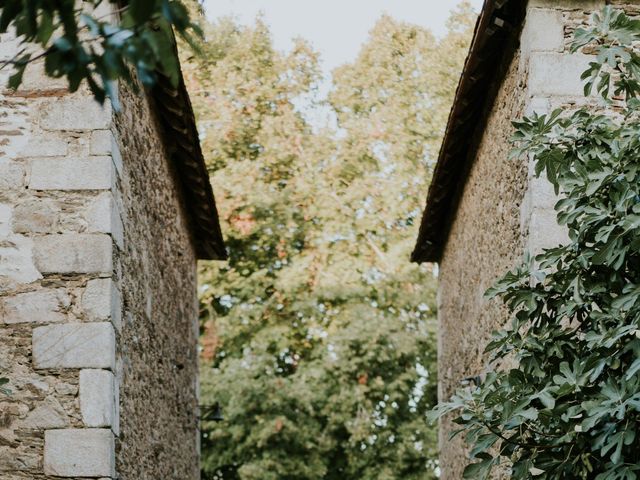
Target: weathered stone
point(11, 174)
point(101, 301)
point(45, 146)
point(565, 5)
point(93, 173)
point(76, 345)
point(6, 212)
point(76, 112)
point(35, 81)
point(102, 142)
point(557, 74)
point(16, 461)
point(539, 105)
point(16, 260)
point(79, 453)
point(71, 253)
point(48, 415)
point(501, 209)
point(103, 216)
point(41, 306)
point(544, 231)
point(66, 389)
point(543, 31)
point(34, 216)
point(97, 398)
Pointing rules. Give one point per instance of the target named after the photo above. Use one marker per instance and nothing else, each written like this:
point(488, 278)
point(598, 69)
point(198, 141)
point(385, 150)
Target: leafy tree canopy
point(569, 405)
point(318, 335)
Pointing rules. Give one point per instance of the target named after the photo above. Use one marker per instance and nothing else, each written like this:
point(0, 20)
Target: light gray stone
point(45, 146)
point(103, 216)
point(99, 217)
point(543, 31)
point(97, 398)
point(6, 213)
point(11, 174)
point(66, 389)
point(539, 105)
point(76, 112)
point(93, 173)
point(75, 345)
point(544, 231)
point(585, 5)
point(35, 79)
point(116, 157)
point(101, 301)
point(102, 142)
point(41, 306)
point(16, 260)
point(34, 216)
point(88, 452)
point(557, 74)
point(73, 253)
point(48, 415)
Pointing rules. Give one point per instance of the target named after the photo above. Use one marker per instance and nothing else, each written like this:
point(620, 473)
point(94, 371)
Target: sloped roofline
point(182, 142)
point(493, 46)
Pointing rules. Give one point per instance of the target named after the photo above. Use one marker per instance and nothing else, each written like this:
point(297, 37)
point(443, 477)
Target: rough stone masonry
point(499, 209)
point(98, 308)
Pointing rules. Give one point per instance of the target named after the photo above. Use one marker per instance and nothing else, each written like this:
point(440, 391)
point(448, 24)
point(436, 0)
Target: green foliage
point(318, 335)
point(564, 401)
point(83, 42)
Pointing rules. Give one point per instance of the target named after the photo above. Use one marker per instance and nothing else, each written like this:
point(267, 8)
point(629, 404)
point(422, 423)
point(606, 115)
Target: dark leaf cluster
point(97, 41)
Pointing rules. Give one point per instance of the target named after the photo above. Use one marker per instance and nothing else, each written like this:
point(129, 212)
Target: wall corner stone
point(74, 345)
point(97, 398)
point(84, 452)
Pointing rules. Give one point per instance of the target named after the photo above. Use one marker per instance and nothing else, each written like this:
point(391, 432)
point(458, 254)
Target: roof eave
point(494, 37)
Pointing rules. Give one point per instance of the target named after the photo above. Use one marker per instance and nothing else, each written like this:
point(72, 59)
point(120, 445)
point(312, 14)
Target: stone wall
point(58, 300)
point(503, 209)
point(98, 314)
point(157, 345)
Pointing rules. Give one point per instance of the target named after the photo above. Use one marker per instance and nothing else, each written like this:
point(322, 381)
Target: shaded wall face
point(157, 344)
point(484, 241)
point(503, 209)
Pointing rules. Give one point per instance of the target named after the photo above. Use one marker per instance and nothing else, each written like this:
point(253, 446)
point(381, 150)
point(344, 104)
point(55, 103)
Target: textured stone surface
point(16, 261)
point(79, 453)
point(11, 174)
point(100, 299)
point(71, 253)
point(78, 206)
point(503, 209)
point(97, 398)
point(557, 74)
point(78, 345)
point(103, 216)
point(45, 145)
point(46, 142)
point(93, 173)
point(40, 306)
point(159, 345)
point(102, 142)
point(34, 216)
point(50, 414)
point(543, 31)
point(77, 112)
point(483, 243)
point(544, 231)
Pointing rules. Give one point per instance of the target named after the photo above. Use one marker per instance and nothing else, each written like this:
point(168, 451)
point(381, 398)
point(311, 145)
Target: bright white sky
point(336, 28)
